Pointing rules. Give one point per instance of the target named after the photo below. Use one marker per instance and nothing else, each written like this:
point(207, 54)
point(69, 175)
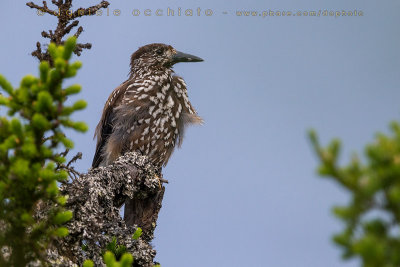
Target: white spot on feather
point(171, 102)
point(151, 109)
point(160, 95)
point(143, 96)
point(164, 88)
point(146, 131)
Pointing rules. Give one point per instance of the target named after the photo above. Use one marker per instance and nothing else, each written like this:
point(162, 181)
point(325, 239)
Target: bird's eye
point(159, 51)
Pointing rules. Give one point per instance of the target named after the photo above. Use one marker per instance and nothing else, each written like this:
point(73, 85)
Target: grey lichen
point(95, 200)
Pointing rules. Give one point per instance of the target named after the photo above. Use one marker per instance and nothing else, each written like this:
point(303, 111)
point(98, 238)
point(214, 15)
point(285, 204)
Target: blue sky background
point(243, 189)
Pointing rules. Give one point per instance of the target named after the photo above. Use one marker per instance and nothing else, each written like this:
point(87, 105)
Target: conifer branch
point(66, 23)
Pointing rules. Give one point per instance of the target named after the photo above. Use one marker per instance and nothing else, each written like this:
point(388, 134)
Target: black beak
point(182, 57)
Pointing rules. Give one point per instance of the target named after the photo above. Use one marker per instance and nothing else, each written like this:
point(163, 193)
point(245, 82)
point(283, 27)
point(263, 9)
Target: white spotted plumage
point(150, 111)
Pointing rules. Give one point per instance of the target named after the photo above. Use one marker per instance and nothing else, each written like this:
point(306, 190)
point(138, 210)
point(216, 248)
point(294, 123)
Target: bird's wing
point(105, 126)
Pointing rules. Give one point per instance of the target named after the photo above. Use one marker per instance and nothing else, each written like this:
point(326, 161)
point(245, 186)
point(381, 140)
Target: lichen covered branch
point(95, 200)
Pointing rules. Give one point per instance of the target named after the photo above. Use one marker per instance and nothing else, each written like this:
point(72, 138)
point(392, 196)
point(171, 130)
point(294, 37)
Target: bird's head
point(159, 56)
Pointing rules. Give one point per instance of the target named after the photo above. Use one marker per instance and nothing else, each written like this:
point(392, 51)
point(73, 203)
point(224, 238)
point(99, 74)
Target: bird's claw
point(161, 180)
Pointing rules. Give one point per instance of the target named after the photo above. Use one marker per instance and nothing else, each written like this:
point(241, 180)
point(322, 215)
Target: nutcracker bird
point(147, 113)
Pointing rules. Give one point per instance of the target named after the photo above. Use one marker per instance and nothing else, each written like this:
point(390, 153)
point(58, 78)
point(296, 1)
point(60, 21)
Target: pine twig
point(66, 23)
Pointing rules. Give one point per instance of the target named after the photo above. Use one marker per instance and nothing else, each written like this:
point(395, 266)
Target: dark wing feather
point(105, 127)
point(103, 134)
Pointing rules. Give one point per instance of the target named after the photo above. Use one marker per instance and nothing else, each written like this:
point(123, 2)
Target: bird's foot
point(161, 180)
